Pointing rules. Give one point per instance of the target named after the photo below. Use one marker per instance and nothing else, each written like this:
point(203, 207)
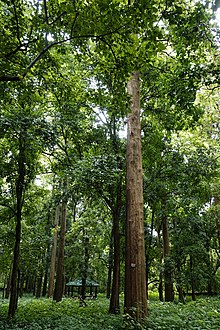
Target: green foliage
point(202, 314)
point(44, 314)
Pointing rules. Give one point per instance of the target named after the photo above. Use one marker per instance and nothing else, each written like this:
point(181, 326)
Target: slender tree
point(19, 203)
point(53, 253)
point(60, 280)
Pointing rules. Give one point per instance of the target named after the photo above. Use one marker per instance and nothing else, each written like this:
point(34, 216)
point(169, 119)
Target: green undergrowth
point(202, 314)
point(44, 314)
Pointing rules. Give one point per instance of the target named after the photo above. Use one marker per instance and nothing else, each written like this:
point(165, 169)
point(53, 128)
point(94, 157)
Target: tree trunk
point(217, 204)
point(21, 289)
point(160, 287)
point(8, 283)
point(59, 285)
point(39, 284)
point(47, 256)
point(44, 290)
point(135, 272)
point(34, 285)
point(148, 251)
point(53, 253)
point(168, 285)
point(19, 202)
point(192, 279)
point(85, 264)
point(110, 267)
point(114, 307)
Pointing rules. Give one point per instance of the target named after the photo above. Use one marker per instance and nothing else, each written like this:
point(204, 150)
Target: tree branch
point(56, 19)
point(11, 78)
point(46, 48)
point(9, 207)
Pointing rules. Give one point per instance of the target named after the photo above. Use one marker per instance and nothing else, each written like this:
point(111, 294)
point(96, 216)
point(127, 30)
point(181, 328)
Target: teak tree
point(135, 273)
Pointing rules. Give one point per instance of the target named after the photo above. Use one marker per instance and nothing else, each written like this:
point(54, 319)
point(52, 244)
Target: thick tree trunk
point(19, 202)
point(53, 253)
point(114, 307)
point(135, 272)
point(59, 285)
point(168, 285)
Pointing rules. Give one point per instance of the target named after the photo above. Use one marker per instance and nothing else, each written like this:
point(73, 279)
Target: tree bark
point(114, 307)
point(135, 272)
point(19, 203)
point(59, 285)
point(168, 285)
point(53, 253)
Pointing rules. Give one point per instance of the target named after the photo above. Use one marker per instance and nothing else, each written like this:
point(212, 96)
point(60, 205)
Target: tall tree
point(135, 273)
point(53, 252)
point(19, 203)
point(60, 279)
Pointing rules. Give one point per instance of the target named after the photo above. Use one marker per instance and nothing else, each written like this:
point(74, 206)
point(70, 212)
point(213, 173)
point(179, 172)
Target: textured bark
point(19, 202)
point(59, 285)
point(135, 273)
point(53, 253)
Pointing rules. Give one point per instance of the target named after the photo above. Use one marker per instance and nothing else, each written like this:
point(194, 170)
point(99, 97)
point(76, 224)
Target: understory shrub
point(44, 314)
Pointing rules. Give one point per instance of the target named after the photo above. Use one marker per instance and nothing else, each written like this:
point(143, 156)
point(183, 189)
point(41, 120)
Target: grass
point(44, 314)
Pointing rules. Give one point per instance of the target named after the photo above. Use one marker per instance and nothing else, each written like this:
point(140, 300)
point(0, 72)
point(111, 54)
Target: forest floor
point(44, 314)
